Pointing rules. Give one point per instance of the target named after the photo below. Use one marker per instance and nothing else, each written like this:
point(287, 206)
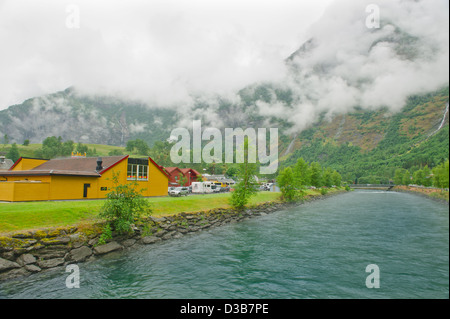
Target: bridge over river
point(372, 186)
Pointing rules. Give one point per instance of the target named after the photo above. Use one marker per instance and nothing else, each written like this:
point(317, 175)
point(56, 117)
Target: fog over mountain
point(157, 51)
point(231, 64)
point(345, 64)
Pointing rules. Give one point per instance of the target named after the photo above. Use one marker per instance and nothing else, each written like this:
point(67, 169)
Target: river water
point(316, 250)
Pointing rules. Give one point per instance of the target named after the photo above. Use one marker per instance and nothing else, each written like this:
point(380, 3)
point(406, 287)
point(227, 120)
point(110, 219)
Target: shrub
point(124, 206)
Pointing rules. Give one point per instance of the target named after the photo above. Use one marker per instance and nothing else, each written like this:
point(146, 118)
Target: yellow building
point(79, 178)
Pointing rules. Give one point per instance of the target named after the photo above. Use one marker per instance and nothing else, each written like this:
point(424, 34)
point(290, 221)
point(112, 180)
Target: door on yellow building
point(85, 190)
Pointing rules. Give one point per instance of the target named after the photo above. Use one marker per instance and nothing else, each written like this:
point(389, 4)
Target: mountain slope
point(369, 146)
point(96, 120)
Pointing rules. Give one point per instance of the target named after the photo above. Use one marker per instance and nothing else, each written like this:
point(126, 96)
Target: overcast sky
point(154, 50)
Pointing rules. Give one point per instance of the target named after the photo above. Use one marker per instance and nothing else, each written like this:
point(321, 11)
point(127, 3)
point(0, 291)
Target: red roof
point(186, 170)
point(170, 170)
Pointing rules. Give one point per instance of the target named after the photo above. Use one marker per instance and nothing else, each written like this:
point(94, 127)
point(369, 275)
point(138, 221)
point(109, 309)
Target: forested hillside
point(369, 146)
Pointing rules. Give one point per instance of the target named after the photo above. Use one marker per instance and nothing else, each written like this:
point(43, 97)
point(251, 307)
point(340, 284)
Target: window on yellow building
point(137, 172)
point(137, 169)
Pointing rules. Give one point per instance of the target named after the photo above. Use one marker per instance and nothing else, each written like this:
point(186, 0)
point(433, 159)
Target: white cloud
point(157, 51)
point(352, 65)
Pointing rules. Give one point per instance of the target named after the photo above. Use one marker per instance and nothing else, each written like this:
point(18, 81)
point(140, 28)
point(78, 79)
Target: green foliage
point(160, 153)
point(301, 172)
point(13, 153)
point(398, 176)
point(138, 145)
point(26, 142)
point(232, 171)
point(106, 234)
point(54, 146)
point(406, 178)
point(441, 175)
point(182, 180)
point(246, 187)
point(124, 206)
point(315, 171)
point(394, 151)
point(293, 179)
point(287, 182)
point(82, 149)
point(336, 178)
point(5, 139)
point(115, 152)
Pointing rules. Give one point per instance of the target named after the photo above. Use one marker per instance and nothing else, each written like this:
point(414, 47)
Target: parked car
point(179, 191)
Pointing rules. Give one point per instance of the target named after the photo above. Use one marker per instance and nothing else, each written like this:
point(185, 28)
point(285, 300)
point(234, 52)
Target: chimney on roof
point(99, 164)
point(2, 159)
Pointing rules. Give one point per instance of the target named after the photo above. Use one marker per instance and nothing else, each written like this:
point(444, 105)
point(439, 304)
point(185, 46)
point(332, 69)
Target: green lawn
point(35, 215)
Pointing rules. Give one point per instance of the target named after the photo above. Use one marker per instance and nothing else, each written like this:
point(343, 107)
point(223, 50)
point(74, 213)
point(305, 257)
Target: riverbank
point(436, 194)
point(32, 251)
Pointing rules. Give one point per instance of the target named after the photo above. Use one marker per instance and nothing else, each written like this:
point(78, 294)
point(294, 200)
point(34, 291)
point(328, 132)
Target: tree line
point(294, 179)
point(437, 177)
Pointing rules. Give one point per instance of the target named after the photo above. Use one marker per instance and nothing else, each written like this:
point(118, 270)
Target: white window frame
point(137, 169)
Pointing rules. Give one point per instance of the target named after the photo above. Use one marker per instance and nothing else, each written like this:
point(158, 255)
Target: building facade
point(33, 179)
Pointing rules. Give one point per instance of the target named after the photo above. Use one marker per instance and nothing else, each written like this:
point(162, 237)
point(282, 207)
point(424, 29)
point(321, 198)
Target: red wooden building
point(191, 175)
point(175, 175)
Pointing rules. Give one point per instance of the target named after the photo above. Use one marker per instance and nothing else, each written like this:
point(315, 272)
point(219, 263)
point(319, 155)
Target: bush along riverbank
point(436, 194)
point(28, 252)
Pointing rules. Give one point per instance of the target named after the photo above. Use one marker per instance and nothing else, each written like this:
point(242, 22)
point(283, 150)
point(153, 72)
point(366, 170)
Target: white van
point(203, 187)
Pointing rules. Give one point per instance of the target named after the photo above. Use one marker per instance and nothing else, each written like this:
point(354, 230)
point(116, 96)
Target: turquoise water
point(316, 250)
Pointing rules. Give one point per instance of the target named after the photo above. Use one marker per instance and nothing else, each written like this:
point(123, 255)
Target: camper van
point(203, 187)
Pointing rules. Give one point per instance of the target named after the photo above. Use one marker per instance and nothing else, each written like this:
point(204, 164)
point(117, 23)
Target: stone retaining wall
point(24, 253)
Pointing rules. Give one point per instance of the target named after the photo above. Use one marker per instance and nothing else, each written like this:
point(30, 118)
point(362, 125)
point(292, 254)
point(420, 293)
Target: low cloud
point(161, 52)
point(351, 65)
point(179, 54)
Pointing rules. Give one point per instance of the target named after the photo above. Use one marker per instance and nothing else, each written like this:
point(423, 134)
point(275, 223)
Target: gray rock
point(160, 233)
point(193, 228)
point(93, 242)
point(51, 253)
point(7, 264)
point(57, 241)
point(168, 235)
point(51, 263)
point(32, 268)
point(150, 240)
point(129, 242)
point(26, 259)
point(14, 273)
point(80, 254)
point(158, 220)
point(107, 248)
point(177, 235)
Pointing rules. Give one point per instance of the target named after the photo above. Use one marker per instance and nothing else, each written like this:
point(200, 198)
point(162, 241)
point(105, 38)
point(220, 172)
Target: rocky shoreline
point(25, 253)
